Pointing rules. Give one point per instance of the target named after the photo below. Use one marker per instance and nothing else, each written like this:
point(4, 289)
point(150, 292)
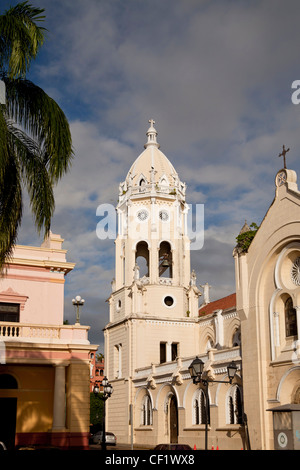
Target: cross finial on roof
point(152, 134)
point(283, 154)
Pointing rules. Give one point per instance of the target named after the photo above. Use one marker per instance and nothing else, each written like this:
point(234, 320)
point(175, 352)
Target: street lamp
point(107, 391)
point(196, 370)
point(78, 302)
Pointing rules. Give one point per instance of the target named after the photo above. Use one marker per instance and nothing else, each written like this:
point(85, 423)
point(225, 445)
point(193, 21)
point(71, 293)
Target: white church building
point(155, 327)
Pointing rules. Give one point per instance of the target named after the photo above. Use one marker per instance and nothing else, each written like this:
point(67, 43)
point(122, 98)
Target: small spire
point(152, 134)
point(245, 228)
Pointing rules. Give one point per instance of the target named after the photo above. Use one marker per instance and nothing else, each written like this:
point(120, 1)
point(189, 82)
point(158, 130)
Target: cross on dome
point(152, 134)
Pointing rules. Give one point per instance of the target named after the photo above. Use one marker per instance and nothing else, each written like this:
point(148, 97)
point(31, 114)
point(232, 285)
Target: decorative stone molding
point(151, 383)
point(12, 296)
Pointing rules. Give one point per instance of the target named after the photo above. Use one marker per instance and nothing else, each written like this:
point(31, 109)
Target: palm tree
point(35, 139)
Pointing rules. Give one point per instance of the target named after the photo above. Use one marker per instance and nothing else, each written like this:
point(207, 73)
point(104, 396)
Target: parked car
point(172, 447)
point(110, 438)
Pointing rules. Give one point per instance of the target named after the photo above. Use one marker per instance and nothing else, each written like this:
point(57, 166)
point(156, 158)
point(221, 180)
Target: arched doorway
point(8, 411)
point(173, 419)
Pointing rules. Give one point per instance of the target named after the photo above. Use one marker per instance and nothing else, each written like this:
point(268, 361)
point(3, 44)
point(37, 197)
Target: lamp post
point(107, 391)
point(78, 302)
point(196, 370)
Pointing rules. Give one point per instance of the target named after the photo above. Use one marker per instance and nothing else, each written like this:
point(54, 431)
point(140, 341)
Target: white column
point(59, 398)
point(169, 352)
point(277, 331)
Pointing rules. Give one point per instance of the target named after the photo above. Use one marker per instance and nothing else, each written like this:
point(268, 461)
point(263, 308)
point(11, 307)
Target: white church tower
point(154, 299)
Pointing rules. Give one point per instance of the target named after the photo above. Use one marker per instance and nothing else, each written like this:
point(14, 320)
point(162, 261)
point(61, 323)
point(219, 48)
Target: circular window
point(287, 269)
point(164, 216)
point(295, 272)
point(142, 215)
point(282, 439)
point(168, 301)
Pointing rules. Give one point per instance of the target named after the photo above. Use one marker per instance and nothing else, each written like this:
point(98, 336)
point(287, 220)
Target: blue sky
point(215, 76)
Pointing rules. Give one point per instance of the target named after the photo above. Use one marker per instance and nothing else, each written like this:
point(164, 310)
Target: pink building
point(44, 364)
point(97, 372)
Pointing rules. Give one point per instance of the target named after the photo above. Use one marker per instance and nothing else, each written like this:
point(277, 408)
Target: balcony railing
point(13, 331)
point(164, 372)
point(167, 190)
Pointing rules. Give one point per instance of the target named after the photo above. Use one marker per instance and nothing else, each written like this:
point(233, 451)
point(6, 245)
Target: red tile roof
point(221, 304)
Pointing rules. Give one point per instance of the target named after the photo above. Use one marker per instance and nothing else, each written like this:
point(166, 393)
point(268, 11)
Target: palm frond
point(41, 117)
point(35, 176)
point(10, 209)
point(4, 152)
point(20, 38)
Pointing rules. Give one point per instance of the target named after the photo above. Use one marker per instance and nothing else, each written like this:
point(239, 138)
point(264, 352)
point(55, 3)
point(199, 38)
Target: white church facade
point(155, 328)
point(268, 305)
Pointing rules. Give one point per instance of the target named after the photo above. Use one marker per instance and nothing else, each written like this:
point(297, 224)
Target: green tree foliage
point(96, 411)
point(20, 38)
point(244, 239)
point(35, 139)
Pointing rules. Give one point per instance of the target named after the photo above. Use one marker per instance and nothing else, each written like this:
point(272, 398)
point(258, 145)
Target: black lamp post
point(107, 391)
point(196, 370)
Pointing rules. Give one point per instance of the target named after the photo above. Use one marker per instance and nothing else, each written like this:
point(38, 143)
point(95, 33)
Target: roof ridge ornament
point(152, 134)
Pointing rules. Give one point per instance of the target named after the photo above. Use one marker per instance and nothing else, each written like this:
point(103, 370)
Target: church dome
point(152, 171)
point(152, 165)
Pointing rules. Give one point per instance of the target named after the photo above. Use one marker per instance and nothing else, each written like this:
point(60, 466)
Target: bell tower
point(153, 306)
point(152, 247)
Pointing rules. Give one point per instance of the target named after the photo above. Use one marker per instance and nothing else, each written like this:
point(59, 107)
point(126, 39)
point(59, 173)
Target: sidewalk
point(121, 447)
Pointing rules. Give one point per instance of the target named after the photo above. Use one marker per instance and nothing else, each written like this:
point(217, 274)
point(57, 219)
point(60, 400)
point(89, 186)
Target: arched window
point(234, 406)
point(142, 259)
point(165, 260)
point(196, 411)
point(164, 184)
point(142, 185)
point(118, 361)
point(7, 381)
point(236, 339)
point(209, 344)
point(199, 408)
point(290, 318)
point(146, 411)
point(296, 397)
